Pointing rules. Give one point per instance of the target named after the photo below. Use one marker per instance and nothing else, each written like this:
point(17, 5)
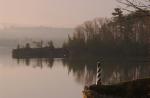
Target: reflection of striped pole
point(99, 70)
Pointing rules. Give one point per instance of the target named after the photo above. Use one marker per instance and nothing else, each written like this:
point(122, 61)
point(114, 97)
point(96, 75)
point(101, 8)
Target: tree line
point(121, 35)
point(38, 44)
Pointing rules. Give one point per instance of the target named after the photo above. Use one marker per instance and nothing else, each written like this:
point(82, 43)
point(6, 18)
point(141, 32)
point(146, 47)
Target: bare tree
point(140, 5)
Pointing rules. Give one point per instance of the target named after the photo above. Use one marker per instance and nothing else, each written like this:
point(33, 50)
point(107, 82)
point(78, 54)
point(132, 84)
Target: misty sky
point(54, 13)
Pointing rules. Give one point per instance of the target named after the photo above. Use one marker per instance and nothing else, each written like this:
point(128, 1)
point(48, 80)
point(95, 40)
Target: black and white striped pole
point(99, 71)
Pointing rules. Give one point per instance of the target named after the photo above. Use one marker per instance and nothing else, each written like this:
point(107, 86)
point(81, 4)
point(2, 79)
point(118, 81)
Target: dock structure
point(139, 88)
point(40, 53)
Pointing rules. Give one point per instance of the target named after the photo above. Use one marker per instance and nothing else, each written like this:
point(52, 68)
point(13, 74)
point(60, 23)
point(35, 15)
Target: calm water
point(37, 79)
point(59, 78)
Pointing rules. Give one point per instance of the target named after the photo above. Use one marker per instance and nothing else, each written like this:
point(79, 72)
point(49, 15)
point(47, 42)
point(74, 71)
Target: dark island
point(39, 52)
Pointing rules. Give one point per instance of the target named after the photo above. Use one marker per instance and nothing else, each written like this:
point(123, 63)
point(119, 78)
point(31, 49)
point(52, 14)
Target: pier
point(39, 53)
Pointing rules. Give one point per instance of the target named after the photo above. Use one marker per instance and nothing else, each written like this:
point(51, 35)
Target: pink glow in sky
point(55, 13)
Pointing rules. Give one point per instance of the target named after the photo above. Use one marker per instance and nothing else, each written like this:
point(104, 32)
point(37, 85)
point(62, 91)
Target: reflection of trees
point(26, 61)
point(49, 62)
point(83, 71)
point(113, 71)
point(117, 71)
point(39, 62)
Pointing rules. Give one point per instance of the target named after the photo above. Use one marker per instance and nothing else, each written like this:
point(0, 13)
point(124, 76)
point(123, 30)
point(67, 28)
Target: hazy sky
point(55, 13)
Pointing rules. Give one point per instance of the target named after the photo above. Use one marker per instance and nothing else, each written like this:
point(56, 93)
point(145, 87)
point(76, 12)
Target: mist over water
point(12, 36)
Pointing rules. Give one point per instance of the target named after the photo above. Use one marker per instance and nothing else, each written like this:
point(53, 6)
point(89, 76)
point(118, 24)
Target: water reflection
point(84, 71)
point(114, 72)
point(38, 62)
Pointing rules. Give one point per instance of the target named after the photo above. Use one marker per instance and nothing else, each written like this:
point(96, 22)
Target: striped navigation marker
point(99, 71)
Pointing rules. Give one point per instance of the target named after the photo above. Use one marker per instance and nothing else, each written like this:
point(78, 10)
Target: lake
point(62, 78)
point(39, 79)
